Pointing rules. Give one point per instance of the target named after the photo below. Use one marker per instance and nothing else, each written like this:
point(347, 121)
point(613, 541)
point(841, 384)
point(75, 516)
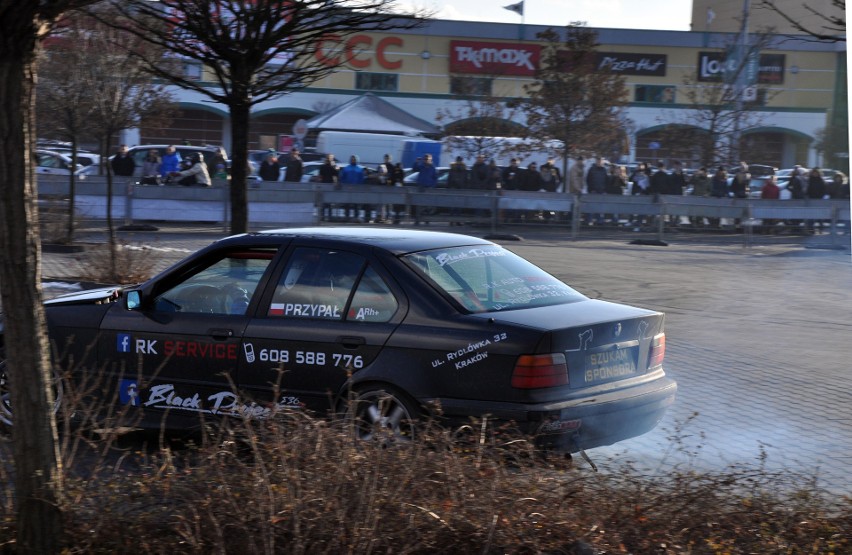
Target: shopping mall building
point(429, 71)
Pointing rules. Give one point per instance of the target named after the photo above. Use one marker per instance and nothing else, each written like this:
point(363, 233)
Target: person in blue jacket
point(170, 162)
point(427, 178)
point(352, 174)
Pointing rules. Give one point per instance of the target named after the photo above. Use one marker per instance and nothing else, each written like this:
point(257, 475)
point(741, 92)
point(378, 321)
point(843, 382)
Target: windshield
point(490, 278)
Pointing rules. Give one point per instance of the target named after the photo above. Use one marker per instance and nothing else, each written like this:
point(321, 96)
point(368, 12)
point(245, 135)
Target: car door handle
point(220, 333)
point(351, 341)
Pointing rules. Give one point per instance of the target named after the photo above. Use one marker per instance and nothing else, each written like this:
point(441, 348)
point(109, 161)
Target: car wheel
point(6, 412)
point(383, 415)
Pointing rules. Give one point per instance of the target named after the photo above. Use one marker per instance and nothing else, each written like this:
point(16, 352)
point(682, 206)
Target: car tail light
point(658, 350)
point(535, 371)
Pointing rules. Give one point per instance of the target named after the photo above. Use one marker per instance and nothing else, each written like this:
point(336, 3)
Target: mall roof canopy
point(370, 114)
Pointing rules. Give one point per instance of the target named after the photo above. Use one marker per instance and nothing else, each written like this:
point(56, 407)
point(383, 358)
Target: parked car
point(49, 162)
point(408, 324)
point(443, 177)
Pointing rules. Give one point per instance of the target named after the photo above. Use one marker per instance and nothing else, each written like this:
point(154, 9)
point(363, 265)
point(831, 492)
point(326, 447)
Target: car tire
point(382, 414)
point(7, 419)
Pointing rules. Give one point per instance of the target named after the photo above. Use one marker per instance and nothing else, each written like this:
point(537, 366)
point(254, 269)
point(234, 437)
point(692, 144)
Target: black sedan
point(408, 324)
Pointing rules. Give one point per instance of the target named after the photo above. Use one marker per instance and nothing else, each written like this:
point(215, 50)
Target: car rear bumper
point(581, 423)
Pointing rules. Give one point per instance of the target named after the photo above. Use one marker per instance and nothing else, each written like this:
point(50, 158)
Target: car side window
point(224, 287)
point(316, 284)
point(373, 300)
point(48, 161)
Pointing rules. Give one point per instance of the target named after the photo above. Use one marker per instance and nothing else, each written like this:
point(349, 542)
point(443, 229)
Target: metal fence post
point(128, 203)
point(495, 209)
point(319, 196)
point(576, 215)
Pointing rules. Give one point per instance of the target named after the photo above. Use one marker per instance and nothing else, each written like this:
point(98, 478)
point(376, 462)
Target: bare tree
point(723, 106)
point(26, 367)
point(570, 101)
point(254, 52)
point(121, 93)
point(87, 87)
point(833, 28)
point(477, 126)
point(64, 104)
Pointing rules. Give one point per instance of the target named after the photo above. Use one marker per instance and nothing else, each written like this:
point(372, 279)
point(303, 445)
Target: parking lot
point(757, 338)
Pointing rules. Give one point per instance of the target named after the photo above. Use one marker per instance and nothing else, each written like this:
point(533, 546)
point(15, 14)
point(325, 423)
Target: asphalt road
point(758, 339)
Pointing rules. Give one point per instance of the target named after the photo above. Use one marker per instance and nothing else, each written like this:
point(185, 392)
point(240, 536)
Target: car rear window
point(490, 278)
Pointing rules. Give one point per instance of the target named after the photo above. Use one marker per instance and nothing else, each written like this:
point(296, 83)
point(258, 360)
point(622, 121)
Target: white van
point(369, 147)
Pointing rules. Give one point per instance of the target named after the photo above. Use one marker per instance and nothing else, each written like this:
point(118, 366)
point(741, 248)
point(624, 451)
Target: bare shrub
point(53, 221)
point(134, 263)
point(298, 484)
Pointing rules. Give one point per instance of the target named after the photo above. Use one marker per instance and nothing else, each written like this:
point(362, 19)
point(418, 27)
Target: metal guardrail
point(301, 203)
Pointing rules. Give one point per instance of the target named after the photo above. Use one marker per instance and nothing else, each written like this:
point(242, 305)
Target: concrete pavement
point(758, 339)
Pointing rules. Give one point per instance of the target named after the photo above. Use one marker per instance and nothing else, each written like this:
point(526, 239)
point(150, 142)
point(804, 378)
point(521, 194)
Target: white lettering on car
point(223, 403)
point(146, 346)
point(459, 358)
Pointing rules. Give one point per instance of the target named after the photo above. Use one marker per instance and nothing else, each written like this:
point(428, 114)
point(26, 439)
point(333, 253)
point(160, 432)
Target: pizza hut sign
point(494, 58)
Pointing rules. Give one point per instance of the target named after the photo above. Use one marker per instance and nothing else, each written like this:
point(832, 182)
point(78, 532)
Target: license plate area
point(614, 362)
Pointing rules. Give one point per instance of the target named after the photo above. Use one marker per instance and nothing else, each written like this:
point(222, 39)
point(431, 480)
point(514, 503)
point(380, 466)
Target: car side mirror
point(133, 300)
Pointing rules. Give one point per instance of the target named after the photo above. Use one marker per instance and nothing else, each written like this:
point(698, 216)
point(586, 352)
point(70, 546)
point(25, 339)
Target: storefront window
point(659, 94)
point(471, 86)
point(366, 81)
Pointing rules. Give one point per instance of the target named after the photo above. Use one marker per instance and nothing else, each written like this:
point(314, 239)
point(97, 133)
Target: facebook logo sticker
point(128, 393)
point(123, 341)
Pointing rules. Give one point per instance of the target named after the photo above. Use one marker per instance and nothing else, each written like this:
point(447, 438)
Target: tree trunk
point(239, 165)
point(38, 475)
point(113, 254)
point(72, 194)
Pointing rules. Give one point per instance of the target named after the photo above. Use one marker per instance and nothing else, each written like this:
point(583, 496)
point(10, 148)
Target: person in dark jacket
point(270, 169)
point(122, 163)
point(659, 180)
point(427, 178)
point(512, 176)
point(816, 191)
point(677, 181)
point(329, 172)
point(740, 182)
point(531, 178)
point(719, 183)
point(798, 183)
point(479, 174)
point(295, 167)
point(551, 178)
point(816, 185)
point(458, 178)
point(596, 178)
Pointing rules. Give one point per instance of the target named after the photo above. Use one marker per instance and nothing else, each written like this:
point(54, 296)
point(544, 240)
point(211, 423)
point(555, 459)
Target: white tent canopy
point(371, 114)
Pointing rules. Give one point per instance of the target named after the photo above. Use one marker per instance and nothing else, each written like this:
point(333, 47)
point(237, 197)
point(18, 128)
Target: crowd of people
point(599, 177)
point(168, 169)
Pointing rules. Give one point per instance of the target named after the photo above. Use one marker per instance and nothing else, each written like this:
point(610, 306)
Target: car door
point(179, 351)
point(327, 315)
point(51, 163)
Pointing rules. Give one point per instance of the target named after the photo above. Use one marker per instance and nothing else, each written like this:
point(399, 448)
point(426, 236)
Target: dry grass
point(296, 484)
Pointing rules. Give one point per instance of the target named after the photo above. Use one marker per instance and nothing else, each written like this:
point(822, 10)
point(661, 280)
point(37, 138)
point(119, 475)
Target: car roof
point(204, 148)
point(396, 241)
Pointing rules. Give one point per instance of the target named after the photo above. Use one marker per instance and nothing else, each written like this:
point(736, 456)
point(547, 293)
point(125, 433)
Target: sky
point(620, 14)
